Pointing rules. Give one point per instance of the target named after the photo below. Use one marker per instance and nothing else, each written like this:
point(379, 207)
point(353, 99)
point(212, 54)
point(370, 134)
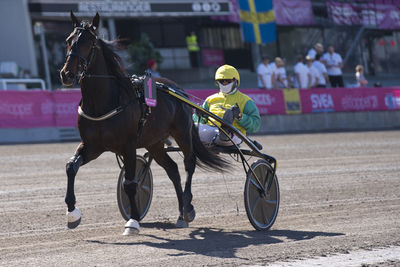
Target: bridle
point(84, 63)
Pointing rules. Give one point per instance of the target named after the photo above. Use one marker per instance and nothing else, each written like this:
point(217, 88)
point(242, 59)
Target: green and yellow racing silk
point(218, 103)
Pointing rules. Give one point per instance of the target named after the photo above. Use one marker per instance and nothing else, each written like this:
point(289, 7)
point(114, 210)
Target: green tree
point(140, 52)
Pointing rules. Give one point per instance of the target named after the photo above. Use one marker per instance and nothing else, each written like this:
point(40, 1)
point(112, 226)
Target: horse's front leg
point(80, 158)
point(130, 187)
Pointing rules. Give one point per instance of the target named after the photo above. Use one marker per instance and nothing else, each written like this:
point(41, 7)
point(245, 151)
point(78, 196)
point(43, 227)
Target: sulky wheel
point(144, 192)
point(261, 208)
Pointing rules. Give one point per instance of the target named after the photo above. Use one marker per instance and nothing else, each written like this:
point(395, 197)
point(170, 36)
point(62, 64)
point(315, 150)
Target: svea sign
point(322, 102)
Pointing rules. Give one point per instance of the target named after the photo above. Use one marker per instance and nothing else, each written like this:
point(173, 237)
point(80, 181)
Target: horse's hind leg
point(80, 158)
point(184, 140)
point(164, 160)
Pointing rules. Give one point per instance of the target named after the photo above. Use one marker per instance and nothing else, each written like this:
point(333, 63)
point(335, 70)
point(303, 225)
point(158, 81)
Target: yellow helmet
point(227, 72)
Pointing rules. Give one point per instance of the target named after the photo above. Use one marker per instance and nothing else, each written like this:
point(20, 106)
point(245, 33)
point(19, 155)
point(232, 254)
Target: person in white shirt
point(264, 74)
point(361, 81)
point(313, 72)
point(333, 62)
point(322, 72)
point(303, 76)
point(318, 49)
point(279, 78)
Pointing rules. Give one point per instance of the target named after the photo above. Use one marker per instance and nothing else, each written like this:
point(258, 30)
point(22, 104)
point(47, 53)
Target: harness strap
point(145, 112)
point(101, 118)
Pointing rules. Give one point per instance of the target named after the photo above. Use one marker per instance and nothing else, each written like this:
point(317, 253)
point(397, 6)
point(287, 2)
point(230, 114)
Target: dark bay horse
point(109, 116)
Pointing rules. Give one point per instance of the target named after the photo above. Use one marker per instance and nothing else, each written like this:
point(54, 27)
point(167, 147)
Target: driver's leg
point(207, 133)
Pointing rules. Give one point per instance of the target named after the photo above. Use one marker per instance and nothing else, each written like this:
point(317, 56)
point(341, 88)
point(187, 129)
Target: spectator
point(279, 78)
point(302, 74)
point(322, 72)
point(313, 71)
point(152, 68)
point(318, 49)
point(361, 81)
point(264, 74)
point(333, 62)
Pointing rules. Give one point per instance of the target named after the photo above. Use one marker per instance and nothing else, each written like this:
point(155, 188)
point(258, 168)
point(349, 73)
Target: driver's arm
point(250, 117)
point(202, 118)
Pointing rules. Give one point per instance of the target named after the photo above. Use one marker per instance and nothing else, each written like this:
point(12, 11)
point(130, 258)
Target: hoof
point(189, 216)
point(181, 223)
point(74, 218)
point(72, 225)
point(131, 227)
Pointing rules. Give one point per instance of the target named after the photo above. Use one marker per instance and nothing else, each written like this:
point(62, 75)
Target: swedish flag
point(257, 21)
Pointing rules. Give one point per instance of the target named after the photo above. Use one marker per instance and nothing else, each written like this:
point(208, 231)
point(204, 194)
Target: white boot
point(74, 218)
point(131, 227)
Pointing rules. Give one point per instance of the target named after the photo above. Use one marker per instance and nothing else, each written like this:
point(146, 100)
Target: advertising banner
point(268, 102)
point(66, 107)
point(26, 109)
point(349, 99)
point(372, 13)
point(212, 57)
point(37, 108)
point(289, 12)
point(130, 8)
point(292, 101)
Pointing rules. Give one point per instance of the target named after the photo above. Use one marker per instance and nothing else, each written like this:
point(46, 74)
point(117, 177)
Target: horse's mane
point(114, 62)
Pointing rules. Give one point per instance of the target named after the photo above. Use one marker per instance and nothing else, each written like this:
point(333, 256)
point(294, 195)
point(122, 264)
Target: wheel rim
point(261, 209)
point(144, 192)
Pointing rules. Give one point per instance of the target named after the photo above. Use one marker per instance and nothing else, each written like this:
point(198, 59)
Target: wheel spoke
point(255, 183)
point(255, 202)
point(264, 214)
point(270, 201)
point(146, 189)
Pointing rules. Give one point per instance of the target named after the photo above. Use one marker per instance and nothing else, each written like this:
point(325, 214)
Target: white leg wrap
point(74, 215)
point(131, 227)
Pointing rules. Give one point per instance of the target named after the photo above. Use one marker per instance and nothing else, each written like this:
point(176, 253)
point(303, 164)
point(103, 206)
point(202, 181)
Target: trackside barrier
point(43, 116)
point(38, 108)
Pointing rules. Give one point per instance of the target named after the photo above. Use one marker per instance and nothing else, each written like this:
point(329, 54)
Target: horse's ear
point(95, 21)
point(75, 21)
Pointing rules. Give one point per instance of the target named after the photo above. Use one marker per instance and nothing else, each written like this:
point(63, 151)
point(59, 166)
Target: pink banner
point(66, 104)
point(289, 12)
point(349, 99)
point(31, 109)
point(375, 13)
point(26, 109)
point(212, 57)
point(268, 102)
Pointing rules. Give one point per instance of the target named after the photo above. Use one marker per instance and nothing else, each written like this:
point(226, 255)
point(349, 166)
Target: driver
point(231, 105)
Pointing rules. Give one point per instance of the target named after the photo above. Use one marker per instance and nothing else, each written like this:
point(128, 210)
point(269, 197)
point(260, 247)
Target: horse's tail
point(208, 159)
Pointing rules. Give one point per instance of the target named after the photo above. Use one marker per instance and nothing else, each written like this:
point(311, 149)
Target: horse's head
point(81, 47)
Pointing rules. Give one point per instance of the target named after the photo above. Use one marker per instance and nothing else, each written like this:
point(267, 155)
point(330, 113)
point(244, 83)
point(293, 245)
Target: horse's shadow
point(217, 242)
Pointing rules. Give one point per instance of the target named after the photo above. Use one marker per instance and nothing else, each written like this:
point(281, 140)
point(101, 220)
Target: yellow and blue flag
point(257, 21)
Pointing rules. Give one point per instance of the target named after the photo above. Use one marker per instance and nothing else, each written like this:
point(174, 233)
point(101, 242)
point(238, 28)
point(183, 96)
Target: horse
point(109, 116)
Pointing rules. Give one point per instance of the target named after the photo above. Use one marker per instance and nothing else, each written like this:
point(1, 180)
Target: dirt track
point(340, 192)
